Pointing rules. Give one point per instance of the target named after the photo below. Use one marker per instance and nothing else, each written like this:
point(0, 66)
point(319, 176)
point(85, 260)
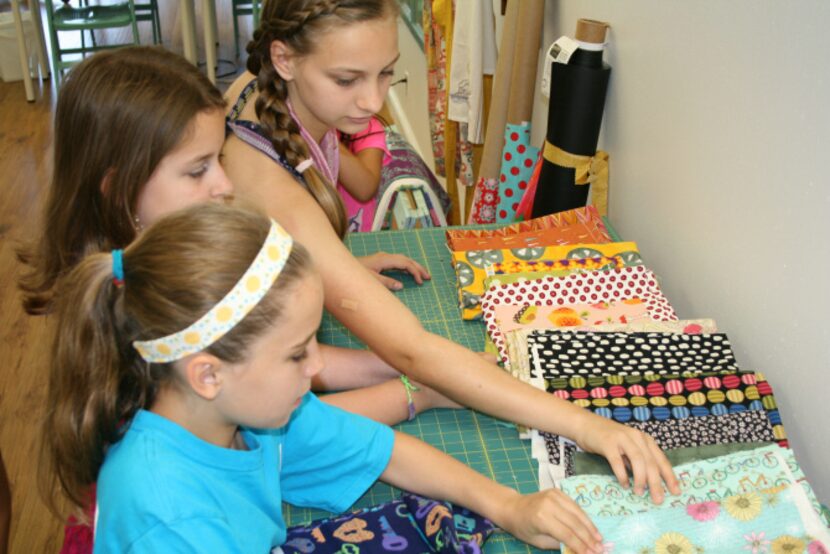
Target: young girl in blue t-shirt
point(179, 378)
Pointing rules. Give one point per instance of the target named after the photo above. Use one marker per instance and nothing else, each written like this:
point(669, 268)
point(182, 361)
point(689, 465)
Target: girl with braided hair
point(321, 66)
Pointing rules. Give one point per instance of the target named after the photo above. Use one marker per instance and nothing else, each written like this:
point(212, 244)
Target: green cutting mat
point(489, 446)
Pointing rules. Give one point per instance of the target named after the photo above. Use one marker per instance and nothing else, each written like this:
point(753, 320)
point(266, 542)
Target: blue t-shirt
point(162, 489)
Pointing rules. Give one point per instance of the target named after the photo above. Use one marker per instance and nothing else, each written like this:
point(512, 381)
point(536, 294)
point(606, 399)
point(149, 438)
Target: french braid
point(296, 22)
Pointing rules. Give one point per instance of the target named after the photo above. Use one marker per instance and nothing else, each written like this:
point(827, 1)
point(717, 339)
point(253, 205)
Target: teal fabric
point(771, 521)
point(712, 479)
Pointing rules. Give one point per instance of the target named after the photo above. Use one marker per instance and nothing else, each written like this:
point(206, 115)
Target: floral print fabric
point(772, 521)
point(592, 287)
point(553, 319)
point(702, 480)
point(741, 487)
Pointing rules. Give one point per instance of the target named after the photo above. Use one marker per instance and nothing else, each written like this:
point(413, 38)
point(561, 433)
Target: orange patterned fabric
point(583, 222)
point(577, 233)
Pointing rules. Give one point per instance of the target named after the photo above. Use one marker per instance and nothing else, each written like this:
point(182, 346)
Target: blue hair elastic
point(118, 267)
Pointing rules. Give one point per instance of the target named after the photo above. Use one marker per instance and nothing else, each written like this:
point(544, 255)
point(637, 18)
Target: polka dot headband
point(232, 309)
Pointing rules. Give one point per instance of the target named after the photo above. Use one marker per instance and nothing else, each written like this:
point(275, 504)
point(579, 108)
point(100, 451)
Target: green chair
point(242, 8)
point(85, 18)
point(149, 11)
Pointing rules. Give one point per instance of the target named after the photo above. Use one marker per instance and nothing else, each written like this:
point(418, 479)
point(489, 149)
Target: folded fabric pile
point(588, 323)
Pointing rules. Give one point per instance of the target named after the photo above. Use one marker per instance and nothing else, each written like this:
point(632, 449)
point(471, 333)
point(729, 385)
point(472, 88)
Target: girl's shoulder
point(241, 96)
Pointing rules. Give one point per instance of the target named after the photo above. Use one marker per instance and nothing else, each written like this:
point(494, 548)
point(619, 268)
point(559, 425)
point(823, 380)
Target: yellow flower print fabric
point(771, 521)
point(753, 501)
point(471, 266)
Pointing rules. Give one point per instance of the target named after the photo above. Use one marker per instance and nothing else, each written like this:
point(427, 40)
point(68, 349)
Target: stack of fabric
point(581, 317)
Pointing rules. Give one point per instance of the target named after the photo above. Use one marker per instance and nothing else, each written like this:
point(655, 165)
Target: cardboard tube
point(497, 117)
point(591, 30)
point(525, 58)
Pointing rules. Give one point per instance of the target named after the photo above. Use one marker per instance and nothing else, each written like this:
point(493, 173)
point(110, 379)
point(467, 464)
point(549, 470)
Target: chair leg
point(54, 45)
point(156, 22)
point(134, 24)
point(235, 31)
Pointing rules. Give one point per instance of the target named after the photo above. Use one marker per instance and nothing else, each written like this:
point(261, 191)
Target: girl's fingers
point(665, 469)
point(388, 282)
point(418, 272)
point(566, 520)
point(384, 262)
point(618, 466)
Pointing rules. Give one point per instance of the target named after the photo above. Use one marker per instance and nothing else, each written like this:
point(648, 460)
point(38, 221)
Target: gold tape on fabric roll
point(589, 169)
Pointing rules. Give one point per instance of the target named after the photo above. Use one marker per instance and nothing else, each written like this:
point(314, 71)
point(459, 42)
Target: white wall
point(408, 102)
point(718, 127)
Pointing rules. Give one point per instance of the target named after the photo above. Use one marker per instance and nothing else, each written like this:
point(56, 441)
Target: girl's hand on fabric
point(383, 261)
point(629, 449)
point(548, 518)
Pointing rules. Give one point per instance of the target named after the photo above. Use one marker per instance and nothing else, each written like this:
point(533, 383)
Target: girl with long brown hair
point(186, 395)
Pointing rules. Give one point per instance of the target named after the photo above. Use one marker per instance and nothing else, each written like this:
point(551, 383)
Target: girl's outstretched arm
point(543, 519)
point(380, 320)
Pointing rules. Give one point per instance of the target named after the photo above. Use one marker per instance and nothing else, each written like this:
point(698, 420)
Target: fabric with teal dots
point(229, 311)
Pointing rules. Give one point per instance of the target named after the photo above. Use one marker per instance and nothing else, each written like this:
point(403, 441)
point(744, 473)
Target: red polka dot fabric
point(579, 288)
point(518, 160)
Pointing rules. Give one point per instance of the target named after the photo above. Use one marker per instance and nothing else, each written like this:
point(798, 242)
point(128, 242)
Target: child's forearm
point(388, 402)
point(418, 467)
point(350, 368)
point(360, 173)
point(542, 519)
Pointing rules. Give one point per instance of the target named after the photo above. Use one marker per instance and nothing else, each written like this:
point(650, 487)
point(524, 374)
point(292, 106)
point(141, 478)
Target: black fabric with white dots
point(566, 353)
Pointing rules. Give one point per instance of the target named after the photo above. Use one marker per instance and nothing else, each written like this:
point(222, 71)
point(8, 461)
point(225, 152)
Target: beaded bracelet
point(409, 388)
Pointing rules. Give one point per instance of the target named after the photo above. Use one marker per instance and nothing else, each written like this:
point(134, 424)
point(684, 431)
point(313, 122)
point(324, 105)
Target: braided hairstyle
point(297, 23)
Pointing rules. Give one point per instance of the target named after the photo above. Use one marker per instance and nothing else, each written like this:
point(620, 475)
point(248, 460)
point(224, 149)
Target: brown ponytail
point(297, 22)
point(97, 381)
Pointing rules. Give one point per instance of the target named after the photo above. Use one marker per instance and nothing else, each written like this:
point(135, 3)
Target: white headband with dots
point(232, 309)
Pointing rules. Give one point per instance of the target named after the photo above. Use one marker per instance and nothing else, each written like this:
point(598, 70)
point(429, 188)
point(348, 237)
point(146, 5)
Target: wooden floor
point(25, 146)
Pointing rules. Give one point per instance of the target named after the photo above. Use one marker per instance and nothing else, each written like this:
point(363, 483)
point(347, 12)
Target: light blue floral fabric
point(777, 521)
point(713, 479)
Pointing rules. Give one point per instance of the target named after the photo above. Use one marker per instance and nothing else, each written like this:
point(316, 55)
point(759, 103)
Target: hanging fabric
point(512, 102)
point(473, 56)
point(454, 155)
